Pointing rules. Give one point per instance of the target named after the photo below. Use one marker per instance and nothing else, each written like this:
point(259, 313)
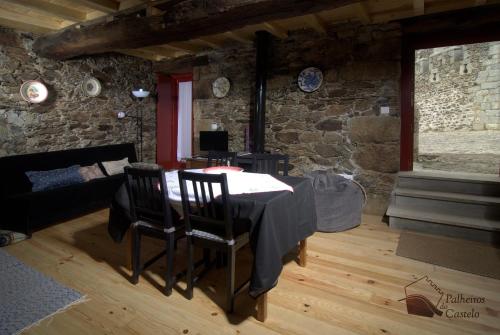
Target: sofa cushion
point(46, 180)
point(91, 172)
point(115, 167)
point(145, 166)
point(8, 237)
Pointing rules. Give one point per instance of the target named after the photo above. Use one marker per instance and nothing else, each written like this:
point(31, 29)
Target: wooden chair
point(209, 224)
point(273, 164)
point(152, 216)
point(221, 158)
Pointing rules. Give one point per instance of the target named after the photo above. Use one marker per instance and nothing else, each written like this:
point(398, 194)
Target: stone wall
point(337, 128)
point(458, 87)
point(68, 118)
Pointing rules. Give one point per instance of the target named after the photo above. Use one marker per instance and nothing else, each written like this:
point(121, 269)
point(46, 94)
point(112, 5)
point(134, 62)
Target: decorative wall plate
point(310, 79)
point(34, 91)
point(91, 87)
point(220, 87)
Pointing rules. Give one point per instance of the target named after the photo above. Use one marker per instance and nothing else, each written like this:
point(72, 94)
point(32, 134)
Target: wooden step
point(444, 218)
point(448, 196)
point(454, 176)
point(485, 236)
point(465, 183)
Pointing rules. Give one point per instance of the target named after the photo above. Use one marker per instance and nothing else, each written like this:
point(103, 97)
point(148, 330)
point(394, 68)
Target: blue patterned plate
point(310, 79)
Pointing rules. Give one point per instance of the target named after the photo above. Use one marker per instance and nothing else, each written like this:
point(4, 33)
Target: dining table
point(278, 218)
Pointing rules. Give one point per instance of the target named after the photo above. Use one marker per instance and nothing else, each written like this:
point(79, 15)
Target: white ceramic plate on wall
point(34, 91)
point(91, 87)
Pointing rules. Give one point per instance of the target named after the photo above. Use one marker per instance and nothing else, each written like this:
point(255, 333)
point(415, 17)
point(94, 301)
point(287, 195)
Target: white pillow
point(115, 167)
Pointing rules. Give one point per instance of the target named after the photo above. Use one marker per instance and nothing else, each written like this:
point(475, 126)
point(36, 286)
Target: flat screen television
point(213, 141)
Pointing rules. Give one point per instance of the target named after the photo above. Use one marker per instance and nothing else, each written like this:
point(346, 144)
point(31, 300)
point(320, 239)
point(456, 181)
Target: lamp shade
point(140, 93)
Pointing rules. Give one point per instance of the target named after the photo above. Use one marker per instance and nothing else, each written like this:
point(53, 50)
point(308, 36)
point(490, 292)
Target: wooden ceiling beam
point(186, 49)
point(275, 30)
point(136, 32)
point(207, 42)
point(105, 6)
point(185, 46)
point(23, 26)
point(142, 54)
point(52, 9)
point(30, 20)
point(237, 37)
point(363, 13)
point(419, 7)
point(316, 23)
point(163, 51)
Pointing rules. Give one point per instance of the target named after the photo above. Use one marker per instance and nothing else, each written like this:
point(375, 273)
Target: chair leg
point(136, 255)
point(190, 266)
point(230, 269)
point(218, 259)
point(169, 279)
point(206, 257)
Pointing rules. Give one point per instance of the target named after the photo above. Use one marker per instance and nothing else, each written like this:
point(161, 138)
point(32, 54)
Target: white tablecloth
point(237, 182)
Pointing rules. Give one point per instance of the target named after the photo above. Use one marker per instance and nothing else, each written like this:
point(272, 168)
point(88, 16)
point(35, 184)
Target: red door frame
point(166, 119)
point(410, 44)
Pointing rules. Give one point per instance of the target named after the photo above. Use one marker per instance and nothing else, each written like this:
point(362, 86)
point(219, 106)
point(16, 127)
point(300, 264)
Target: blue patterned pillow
point(46, 180)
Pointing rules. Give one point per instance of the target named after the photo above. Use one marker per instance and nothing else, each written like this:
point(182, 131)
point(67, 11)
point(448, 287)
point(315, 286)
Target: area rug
point(458, 254)
point(27, 296)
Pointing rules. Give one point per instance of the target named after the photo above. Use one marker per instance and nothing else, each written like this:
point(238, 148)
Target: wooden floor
point(352, 285)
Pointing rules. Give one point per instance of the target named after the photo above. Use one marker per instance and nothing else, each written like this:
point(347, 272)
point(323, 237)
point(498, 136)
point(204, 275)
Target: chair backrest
point(209, 209)
point(221, 158)
point(148, 195)
point(273, 164)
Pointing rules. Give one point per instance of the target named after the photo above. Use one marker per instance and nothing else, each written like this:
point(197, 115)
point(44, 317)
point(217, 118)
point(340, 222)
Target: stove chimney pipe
point(259, 115)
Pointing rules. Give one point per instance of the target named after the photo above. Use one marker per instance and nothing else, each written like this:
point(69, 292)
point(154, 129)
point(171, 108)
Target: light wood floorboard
point(352, 285)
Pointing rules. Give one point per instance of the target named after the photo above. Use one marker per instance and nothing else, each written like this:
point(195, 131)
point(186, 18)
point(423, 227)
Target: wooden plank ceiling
point(47, 16)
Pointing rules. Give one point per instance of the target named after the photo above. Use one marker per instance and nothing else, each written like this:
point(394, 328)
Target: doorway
point(174, 120)
point(424, 60)
point(457, 108)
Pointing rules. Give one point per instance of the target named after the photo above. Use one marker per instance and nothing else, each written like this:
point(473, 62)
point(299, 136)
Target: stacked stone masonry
point(336, 128)
point(458, 87)
point(68, 118)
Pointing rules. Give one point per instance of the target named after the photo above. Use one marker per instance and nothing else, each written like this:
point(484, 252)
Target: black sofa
point(25, 211)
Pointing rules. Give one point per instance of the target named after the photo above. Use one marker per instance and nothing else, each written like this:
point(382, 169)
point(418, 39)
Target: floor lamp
point(140, 94)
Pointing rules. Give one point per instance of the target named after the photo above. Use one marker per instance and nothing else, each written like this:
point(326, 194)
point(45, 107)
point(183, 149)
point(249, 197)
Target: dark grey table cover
point(278, 221)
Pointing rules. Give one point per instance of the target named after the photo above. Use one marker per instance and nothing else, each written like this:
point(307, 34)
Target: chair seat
point(157, 227)
point(216, 238)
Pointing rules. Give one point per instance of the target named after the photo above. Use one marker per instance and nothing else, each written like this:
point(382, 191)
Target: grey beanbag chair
point(339, 201)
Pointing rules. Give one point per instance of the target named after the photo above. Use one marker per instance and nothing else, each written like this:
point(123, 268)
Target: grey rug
point(454, 253)
point(28, 296)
